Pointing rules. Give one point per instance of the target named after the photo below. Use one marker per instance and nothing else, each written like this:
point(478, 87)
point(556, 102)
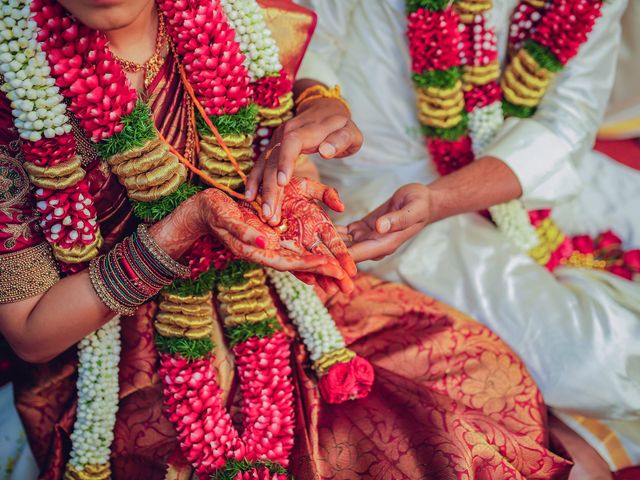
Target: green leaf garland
point(138, 130)
point(189, 349)
point(158, 209)
point(245, 331)
point(243, 122)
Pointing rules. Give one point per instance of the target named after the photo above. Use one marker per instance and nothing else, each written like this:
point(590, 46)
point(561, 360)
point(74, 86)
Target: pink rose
point(347, 381)
point(621, 272)
point(363, 371)
point(584, 244)
point(631, 260)
point(608, 241)
point(339, 384)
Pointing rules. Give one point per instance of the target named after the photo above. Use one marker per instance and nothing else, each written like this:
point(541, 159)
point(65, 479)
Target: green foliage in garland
point(511, 110)
point(437, 78)
point(245, 331)
point(243, 122)
point(158, 209)
point(413, 5)
point(451, 134)
point(200, 286)
point(234, 273)
point(545, 58)
point(138, 130)
point(234, 467)
point(189, 349)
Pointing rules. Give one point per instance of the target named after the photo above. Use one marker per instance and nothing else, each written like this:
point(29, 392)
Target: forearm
point(41, 327)
point(482, 184)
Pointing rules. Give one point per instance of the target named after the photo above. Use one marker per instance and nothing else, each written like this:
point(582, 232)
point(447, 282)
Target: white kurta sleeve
point(329, 42)
point(541, 149)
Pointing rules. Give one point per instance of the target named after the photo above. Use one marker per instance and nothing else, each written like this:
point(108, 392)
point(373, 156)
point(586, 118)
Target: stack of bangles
point(133, 272)
point(317, 92)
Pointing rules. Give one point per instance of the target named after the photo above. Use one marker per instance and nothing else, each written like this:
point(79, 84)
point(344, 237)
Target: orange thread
point(211, 126)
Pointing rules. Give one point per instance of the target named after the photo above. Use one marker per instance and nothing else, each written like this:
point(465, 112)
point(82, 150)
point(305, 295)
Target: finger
point(337, 143)
point(331, 264)
point(402, 219)
point(328, 285)
point(338, 249)
point(254, 178)
point(369, 250)
point(248, 234)
point(327, 195)
point(270, 187)
point(307, 278)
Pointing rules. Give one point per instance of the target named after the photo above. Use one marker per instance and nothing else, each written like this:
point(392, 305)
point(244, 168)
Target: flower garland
point(456, 70)
point(98, 389)
point(343, 374)
point(72, 61)
point(67, 214)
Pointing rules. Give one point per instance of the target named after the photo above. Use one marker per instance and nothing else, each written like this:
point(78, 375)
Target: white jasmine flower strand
point(37, 106)
point(313, 321)
point(255, 39)
point(98, 389)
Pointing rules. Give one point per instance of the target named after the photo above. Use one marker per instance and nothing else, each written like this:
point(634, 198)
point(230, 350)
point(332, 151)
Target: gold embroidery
point(14, 183)
point(27, 273)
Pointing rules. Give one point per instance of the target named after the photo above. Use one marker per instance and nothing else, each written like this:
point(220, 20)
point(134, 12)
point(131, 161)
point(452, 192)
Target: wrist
point(175, 233)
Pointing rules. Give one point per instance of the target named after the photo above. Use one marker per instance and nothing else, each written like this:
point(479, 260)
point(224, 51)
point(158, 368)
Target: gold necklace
point(152, 66)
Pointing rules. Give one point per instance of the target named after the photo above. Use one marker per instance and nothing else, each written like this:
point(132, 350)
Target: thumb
point(398, 220)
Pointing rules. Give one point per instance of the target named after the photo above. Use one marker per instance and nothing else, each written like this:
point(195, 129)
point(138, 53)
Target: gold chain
point(152, 66)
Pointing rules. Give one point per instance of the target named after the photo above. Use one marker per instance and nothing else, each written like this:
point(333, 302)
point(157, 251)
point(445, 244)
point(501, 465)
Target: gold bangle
point(103, 292)
point(177, 268)
point(317, 92)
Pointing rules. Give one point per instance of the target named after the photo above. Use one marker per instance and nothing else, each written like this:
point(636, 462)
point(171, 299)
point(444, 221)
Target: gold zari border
point(27, 273)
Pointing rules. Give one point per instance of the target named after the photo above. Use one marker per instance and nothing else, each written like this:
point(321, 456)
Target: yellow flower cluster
point(89, 472)
point(550, 238)
point(189, 317)
point(585, 260)
point(324, 363)
point(214, 161)
point(149, 172)
point(248, 302)
point(536, 3)
point(78, 253)
point(474, 75)
point(274, 117)
point(468, 9)
point(57, 177)
point(441, 107)
point(525, 82)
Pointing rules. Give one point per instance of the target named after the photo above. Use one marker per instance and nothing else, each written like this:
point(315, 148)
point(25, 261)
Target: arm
point(541, 150)
point(47, 322)
point(321, 126)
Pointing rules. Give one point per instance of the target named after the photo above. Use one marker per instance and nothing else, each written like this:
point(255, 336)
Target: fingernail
point(282, 179)
point(327, 150)
point(384, 225)
point(261, 242)
point(266, 210)
point(248, 193)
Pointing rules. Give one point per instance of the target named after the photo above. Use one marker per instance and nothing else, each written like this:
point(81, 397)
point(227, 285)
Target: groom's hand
point(321, 126)
point(390, 225)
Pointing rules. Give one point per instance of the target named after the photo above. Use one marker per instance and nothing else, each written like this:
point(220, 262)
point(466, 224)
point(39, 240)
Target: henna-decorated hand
point(240, 229)
point(309, 228)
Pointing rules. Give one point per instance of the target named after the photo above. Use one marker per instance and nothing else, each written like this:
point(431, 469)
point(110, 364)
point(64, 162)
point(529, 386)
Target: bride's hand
point(309, 228)
point(239, 228)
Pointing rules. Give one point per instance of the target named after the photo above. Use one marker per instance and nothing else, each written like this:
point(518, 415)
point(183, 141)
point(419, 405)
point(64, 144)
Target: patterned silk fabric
point(450, 401)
